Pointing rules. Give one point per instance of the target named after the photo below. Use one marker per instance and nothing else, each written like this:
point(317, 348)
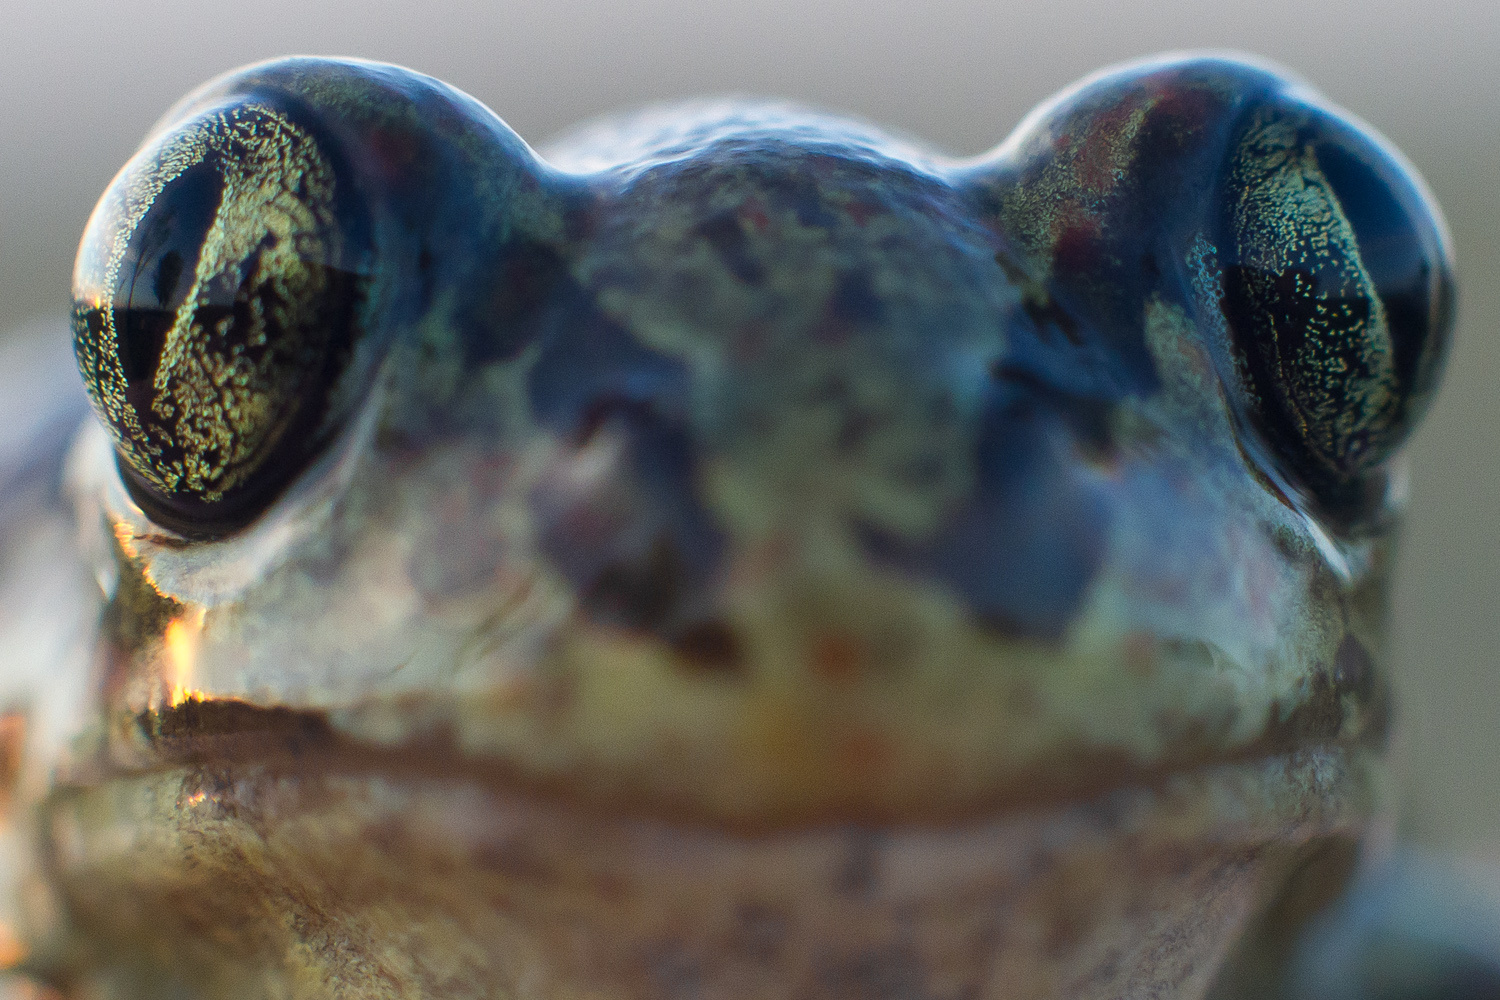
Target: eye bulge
point(1337, 288)
point(1314, 258)
point(217, 298)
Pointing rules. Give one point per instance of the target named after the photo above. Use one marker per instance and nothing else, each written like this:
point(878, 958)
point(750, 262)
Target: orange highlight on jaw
point(125, 538)
point(180, 646)
point(12, 950)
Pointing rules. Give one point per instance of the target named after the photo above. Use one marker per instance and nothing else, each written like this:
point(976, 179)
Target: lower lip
point(1135, 889)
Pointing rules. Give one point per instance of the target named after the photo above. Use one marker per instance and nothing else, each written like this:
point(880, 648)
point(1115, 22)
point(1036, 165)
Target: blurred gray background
point(81, 81)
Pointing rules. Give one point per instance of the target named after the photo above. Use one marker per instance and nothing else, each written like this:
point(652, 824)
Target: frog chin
point(371, 872)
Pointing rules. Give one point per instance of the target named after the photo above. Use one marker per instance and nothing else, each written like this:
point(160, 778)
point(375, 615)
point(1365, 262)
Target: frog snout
point(651, 515)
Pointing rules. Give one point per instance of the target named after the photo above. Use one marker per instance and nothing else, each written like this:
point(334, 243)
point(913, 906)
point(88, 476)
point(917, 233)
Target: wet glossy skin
point(737, 556)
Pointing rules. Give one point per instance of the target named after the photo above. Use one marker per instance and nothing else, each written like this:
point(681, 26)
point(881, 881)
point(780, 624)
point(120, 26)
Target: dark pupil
point(156, 273)
point(1392, 250)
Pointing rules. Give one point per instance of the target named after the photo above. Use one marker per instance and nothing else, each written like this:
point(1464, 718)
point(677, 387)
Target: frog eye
point(1338, 291)
point(217, 297)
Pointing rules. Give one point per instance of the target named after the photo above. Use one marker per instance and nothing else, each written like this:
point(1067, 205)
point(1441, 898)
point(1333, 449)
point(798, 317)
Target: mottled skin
point(739, 556)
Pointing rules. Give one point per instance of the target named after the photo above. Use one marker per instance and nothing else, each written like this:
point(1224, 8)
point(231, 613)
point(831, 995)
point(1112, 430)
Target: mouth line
point(229, 736)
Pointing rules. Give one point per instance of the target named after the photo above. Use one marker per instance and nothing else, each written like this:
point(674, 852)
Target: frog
point(737, 553)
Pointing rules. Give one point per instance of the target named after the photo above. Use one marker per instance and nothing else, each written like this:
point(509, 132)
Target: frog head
point(747, 510)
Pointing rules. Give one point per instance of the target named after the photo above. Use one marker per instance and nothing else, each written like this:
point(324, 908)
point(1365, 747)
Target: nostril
point(1004, 371)
point(620, 517)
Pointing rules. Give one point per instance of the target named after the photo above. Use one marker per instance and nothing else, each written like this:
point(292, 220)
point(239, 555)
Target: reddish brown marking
point(12, 740)
point(753, 211)
point(390, 152)
point(839, 657)
point(1098, 156)
point(1077, 246)
point(861, 211)
point(1179, 113)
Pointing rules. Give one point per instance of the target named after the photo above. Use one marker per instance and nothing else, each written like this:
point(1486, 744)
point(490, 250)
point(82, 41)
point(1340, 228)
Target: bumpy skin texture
point(740, 557)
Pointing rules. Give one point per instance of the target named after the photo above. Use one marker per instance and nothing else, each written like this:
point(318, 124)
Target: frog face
point(742, 475)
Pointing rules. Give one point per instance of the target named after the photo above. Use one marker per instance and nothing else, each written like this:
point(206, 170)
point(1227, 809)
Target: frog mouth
point(226, 734)
point(270, 818)
point(262, 816)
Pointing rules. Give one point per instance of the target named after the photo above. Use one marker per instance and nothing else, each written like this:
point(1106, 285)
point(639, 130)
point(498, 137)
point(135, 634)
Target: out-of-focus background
point(82, 80)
